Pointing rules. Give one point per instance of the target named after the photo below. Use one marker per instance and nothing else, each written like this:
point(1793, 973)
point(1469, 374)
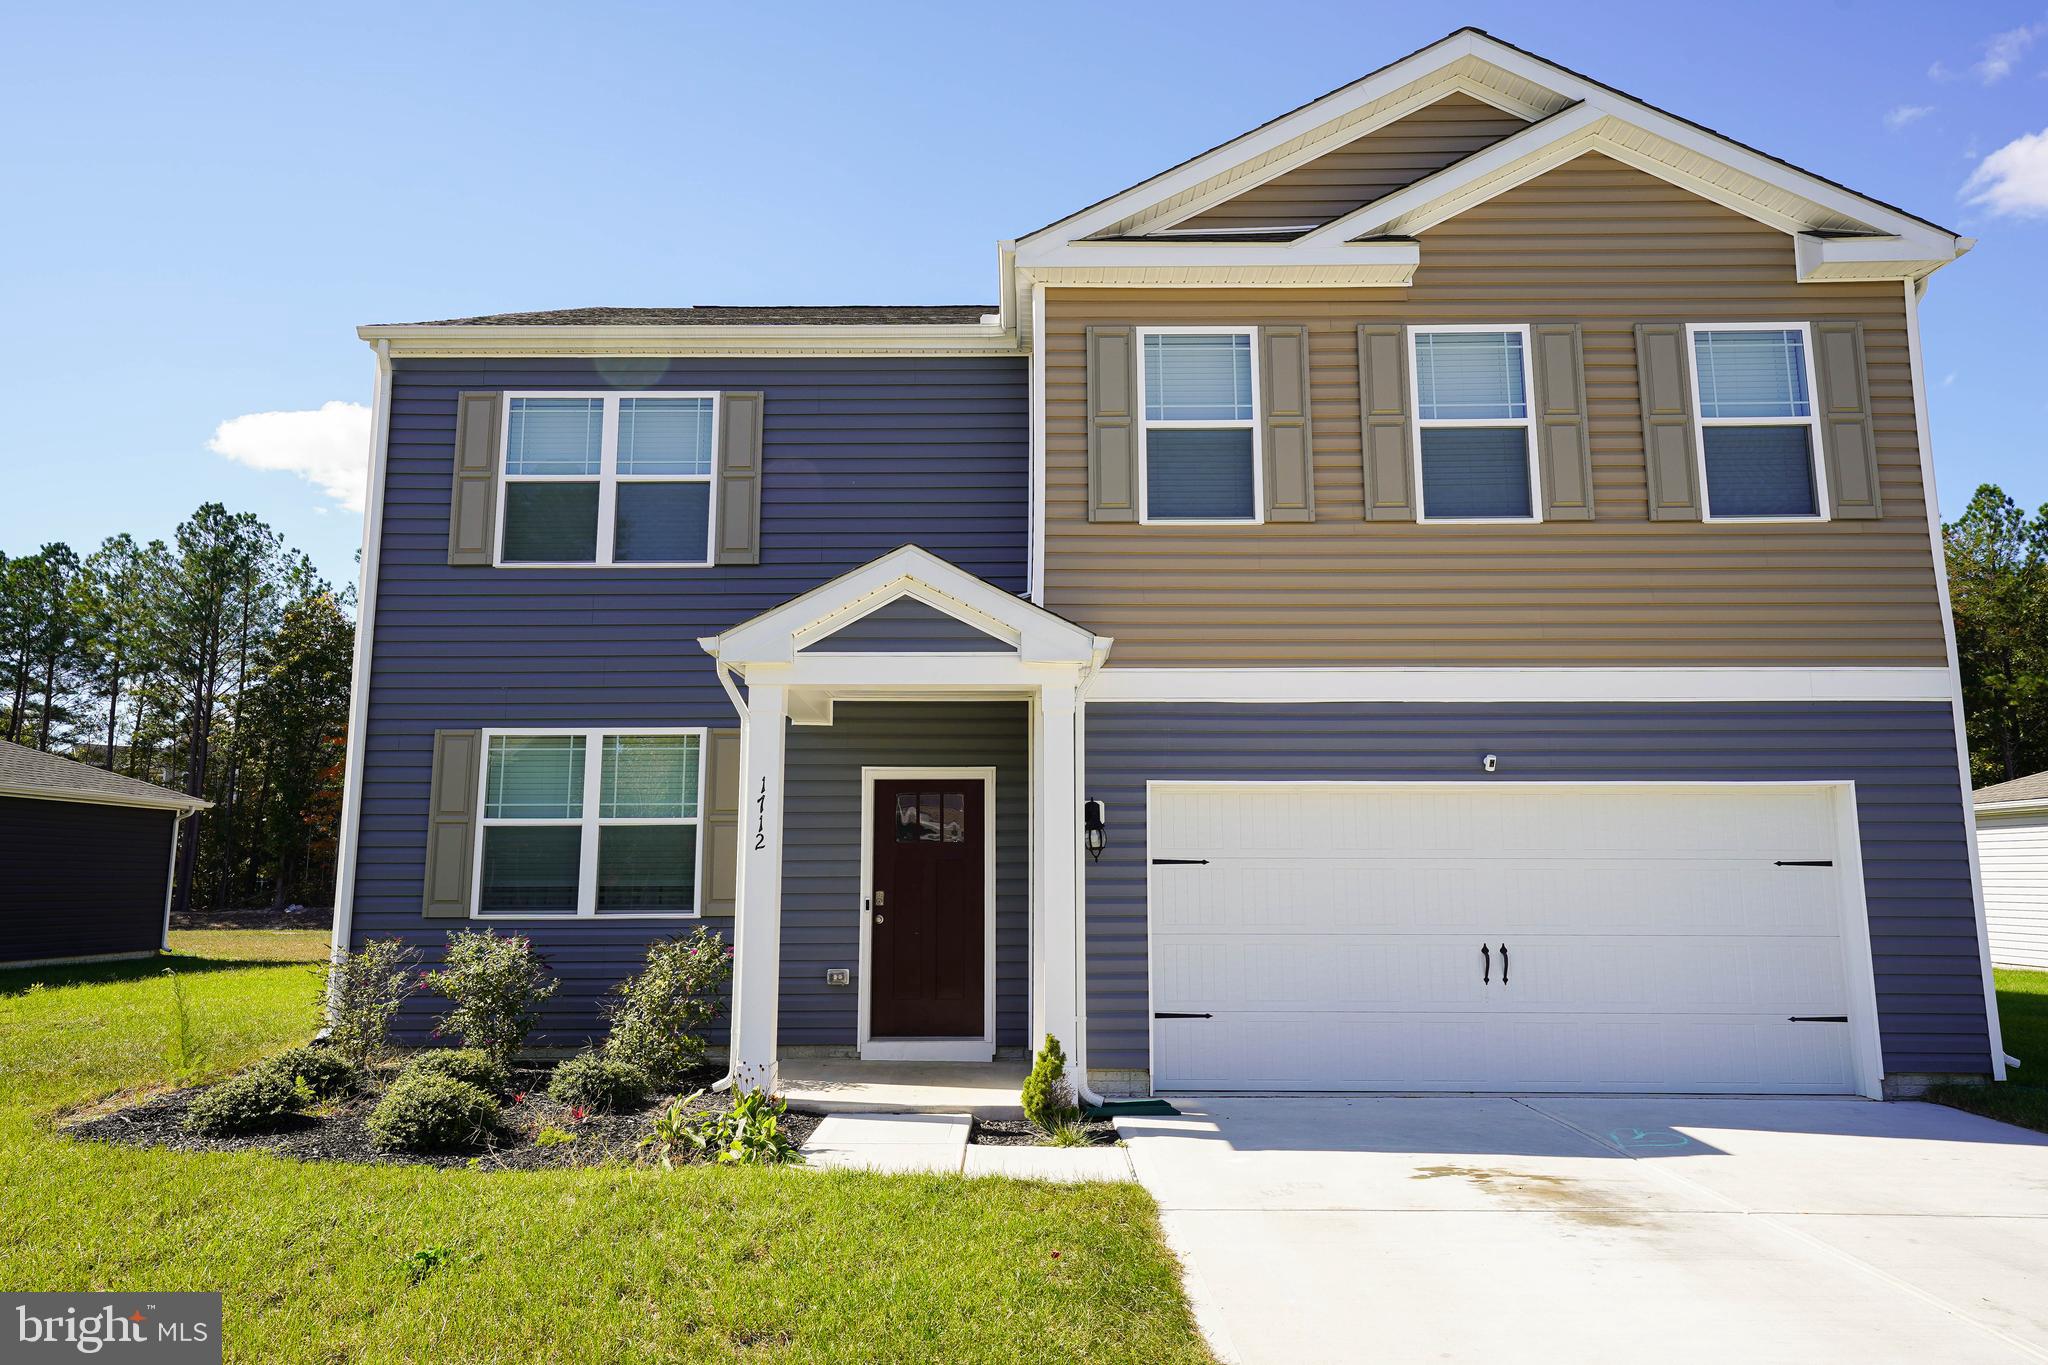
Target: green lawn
point(2023, 1016)
point(601, 1265)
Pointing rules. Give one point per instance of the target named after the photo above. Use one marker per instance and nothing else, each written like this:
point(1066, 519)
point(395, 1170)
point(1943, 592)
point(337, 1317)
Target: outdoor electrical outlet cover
point(838, 976)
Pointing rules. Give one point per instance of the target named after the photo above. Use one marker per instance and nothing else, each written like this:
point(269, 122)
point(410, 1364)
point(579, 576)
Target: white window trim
point(1526, 423)
point(1811, 422)
point(608, 480)
point(1255, 423)
point(591, 821)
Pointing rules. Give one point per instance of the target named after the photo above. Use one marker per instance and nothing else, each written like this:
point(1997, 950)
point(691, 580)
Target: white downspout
point(359, 676)
point(732, 691)
point(1937, 544)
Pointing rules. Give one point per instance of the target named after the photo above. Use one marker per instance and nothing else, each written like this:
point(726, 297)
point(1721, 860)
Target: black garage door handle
point(1170, 1014)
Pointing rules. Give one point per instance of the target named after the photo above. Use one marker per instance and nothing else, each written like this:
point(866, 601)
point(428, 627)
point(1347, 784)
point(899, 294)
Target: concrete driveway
point(1603, 1229)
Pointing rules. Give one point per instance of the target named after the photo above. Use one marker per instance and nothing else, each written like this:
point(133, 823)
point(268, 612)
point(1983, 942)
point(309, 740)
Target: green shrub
point(364, 990)
point(324, 1072)
point(598, 1083)
point(426, 1112)
point(748, 1134)
point(493, 982)
point(252, 1102)
point(657, 1021)
point(465, 1064)
point(1048, 1099)
point(553, 1136)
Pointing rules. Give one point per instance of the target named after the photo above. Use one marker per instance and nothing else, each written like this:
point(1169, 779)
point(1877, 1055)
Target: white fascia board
point(841, 674)
point(423, 340)
point(2013, 807)
point(1198, 271)
point(184, 805)
point(771, 637)
point(1138, 255)
point(1256, 143)
point(1870, 258)
point(1309, 685)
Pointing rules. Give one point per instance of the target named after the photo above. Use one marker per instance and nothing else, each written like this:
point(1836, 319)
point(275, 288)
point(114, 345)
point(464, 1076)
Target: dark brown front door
point(927, 930)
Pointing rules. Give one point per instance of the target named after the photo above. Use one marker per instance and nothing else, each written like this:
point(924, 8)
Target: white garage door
point(1621, 938)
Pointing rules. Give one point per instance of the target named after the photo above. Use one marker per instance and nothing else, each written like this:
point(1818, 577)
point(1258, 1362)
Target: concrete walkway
point(938, 1143)
point(1665, 1228)
point(844, 1085)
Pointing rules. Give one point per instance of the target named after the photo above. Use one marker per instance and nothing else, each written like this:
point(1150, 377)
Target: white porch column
point(1056, 992)
point(757, 931)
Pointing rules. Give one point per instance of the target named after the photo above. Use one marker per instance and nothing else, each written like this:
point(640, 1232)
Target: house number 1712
point(761, 816)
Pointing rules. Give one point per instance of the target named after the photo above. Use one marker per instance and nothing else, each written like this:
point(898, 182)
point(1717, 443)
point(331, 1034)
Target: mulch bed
point(1023, 1133)
point(337, 1131)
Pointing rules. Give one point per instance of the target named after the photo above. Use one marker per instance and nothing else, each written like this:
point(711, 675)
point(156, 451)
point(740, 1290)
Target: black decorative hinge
point(1170, 1014)
point(1804, 862)
point(1180, 862)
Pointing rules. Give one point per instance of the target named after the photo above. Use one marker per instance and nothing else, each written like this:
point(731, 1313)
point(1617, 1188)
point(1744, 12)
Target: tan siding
point(1592, 242)
point(1369, 168)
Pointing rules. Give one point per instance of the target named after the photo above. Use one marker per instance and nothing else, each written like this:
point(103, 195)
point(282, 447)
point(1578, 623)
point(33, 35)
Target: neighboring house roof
point(31, 772)
point(724, 315)
point(2031, 789)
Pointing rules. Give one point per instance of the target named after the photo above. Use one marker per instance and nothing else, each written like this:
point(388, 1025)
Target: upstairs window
point(589, 823)
point(1757, 431)
point(1198, 437)
point(615, 479)
point(1472, 423)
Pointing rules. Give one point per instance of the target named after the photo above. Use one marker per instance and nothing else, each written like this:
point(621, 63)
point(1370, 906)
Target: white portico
point(910, 627)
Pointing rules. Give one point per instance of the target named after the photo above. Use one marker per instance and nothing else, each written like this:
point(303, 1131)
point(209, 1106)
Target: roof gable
point(907, 625)
point(1132, 237)
point(1361, 171)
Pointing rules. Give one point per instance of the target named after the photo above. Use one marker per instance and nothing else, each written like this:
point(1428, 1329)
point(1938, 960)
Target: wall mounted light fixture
point(1095, 827)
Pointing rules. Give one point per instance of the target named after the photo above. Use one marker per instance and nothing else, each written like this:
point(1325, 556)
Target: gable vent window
point(1199, 443)
point(1472, 423)
point(617, 479)
point(1758, 432)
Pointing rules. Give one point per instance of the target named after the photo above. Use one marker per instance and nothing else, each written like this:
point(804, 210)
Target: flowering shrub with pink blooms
point(494, 983)
point(658, 1017)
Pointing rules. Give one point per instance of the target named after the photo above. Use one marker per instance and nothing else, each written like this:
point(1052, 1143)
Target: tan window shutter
point(739, 479)
point(1559, 362)
point(1846, 438)
point(1384, 427)
point(721, 787)
point(473, 498)
point(451, 823)
point(1664, 379)
point(1289, 449)
point(1112, 424)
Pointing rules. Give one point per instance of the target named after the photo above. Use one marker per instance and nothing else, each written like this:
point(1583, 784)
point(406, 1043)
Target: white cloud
point(2004, 50)
point(1905, 114)
point(329, 446)
point(2014, 179)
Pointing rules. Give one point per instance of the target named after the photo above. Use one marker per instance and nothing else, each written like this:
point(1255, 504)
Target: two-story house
point(1438, 592)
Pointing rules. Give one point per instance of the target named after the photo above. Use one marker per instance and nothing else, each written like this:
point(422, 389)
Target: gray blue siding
point(861, 455)
point(82, 879)
point(822, 846)
point(1901, 756)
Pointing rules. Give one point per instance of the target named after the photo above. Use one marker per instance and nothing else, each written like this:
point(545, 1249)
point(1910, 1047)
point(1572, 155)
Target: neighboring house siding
point(861, 455)
point(1930, 993)
point(1592, 242)
point(1368, 168)
point(2012, 849)
point(908, 626)
point(821, 859)
point(82, 880)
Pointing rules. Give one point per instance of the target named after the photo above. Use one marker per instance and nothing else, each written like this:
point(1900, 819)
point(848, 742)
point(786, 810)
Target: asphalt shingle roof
point(25, 770)
point(2032, 787)
point(721, 315)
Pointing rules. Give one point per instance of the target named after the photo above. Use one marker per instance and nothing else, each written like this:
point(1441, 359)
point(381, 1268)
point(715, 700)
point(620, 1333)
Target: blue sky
point(205, 201)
